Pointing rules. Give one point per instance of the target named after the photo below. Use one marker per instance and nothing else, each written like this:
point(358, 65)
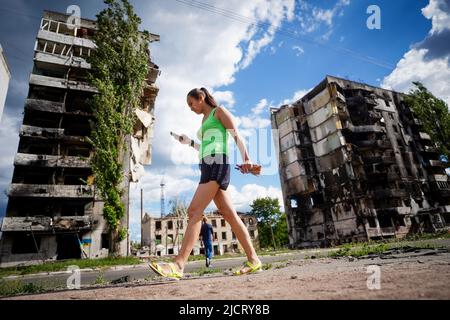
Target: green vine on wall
point(118, 70)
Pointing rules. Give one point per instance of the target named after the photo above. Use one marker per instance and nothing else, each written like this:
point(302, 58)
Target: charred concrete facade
point(54, 210)
point(355, 164)
point(164, 236)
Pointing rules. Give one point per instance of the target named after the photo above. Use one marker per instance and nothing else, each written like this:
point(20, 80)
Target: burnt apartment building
point(54, 210)
point(164, 236)
point(355, 164)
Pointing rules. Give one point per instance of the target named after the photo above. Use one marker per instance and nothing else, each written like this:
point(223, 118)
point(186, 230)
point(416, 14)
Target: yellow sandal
point(253, 268)
point(174, 274)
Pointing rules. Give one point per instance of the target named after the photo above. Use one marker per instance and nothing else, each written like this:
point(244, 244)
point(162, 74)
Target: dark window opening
point(105, 241)
point(372, 222)
point(158, 225)
point(215, 236)
point(76, 127)
point(214, 224)
point(252, 234)
point(36, 178)
point(170, 251)
point(224, 236)
point(385, 221)
point(37, 149)
point(72, 210)
point(41, 119)
point(68, 247)
point(46, 93)
point(25, 243)
point(78, 152)
point(170, 225)
point(222, 222)
point(75, 179)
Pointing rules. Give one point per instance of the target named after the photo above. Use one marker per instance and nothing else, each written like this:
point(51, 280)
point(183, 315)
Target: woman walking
point(214, 181)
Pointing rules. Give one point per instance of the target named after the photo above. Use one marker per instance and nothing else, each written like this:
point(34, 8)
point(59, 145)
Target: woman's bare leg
point(203, 196)
point(225, 207)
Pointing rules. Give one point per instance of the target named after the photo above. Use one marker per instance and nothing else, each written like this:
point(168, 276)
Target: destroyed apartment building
point(355, 164)
point(54, 210)
point(164, 236)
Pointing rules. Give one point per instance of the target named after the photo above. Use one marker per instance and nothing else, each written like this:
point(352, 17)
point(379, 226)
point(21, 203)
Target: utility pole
point(142, 217)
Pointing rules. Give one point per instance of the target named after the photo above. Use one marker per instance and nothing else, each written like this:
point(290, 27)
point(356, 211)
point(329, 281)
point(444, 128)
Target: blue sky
point(260, 54)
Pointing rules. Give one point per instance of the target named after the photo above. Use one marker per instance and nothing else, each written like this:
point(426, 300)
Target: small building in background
point(5, 76)
point(164, 236)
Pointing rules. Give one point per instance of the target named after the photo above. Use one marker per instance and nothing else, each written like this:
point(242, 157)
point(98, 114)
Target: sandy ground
point(423, 277)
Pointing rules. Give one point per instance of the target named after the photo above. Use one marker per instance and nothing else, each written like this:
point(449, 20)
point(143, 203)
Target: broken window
point(224, 236)
point(170, 225)
point(252, 234)
point(215, 236)
point(72, 210)
point(105, 241)
point(214, 223)
point(25, 243)
point(233, 236)
point(158, 225)
point(385, 221)
point(78, 152)
point(222, 222)
point(170, 251)
point(37, 148)
point(372, 222)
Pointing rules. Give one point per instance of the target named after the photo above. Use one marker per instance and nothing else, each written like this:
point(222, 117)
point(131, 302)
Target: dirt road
point(410, 277)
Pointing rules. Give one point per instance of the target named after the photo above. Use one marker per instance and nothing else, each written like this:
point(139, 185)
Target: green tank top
point(213, 137)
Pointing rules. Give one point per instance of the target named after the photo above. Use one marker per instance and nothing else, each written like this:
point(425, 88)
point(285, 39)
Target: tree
point(118, 71)
point(178, 208)
point(433, 113)
point(272, 226)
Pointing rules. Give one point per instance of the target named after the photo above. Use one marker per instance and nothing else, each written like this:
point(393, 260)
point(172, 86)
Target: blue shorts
point(215, 168)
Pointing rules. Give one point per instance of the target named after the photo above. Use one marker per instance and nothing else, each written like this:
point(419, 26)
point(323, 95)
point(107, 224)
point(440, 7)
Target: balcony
point(438, 177)
point(44, 223)
point(389, 193)
point(388, 231)
point(48, 133)
point(373, 232)
point(52, 191)
point(66, 39)
point(25, 159)
point(44, 105)
point(429, 149)
point(61, 83)
point(424, 136)
point(63, 60)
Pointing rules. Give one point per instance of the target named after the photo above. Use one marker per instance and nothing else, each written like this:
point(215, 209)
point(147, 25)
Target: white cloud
point(415, 66)
point(297, 96)
point(299, 50)
point(199, 49)
point(249, 192)
point(9, 139)
point(313, 18)
point(439, 18)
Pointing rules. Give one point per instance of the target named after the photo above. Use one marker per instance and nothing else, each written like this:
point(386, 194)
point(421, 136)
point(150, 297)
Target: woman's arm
point(226, 118)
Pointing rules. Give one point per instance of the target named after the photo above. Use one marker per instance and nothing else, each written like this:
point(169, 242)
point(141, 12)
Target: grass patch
point(205, 270)
point(266, 266)
point(359, 251)
point(62, 265)
point(15, 287)
point(100, 279)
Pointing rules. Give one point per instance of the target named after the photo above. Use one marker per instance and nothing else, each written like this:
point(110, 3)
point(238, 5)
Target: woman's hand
point(184, 139)
point(249, 167)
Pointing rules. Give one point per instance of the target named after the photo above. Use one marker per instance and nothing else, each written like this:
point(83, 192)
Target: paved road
point(142, 271)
